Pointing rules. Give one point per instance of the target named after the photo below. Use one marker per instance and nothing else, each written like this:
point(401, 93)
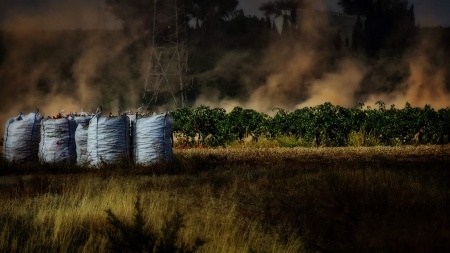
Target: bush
point(356, 139)
point(135, 238)
point(323, 125)
point(290, 141)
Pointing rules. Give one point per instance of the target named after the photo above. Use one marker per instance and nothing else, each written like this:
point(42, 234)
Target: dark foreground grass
point(331, 200)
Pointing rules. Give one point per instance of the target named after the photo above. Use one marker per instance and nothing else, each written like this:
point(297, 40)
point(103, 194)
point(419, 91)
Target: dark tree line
point(138, 16)
point(277, 8)
point(389, 24)
point(383, 29)
point(381, 24)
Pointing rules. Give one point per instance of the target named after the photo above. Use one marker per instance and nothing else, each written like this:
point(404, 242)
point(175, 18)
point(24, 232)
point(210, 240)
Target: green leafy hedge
point(322, 125)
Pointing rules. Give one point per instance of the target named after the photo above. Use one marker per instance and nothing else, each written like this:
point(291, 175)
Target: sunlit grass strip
point(335, 153)
point(73, 219)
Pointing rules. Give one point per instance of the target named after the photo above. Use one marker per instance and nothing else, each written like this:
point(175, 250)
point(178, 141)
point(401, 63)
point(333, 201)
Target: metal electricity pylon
point(166, 77)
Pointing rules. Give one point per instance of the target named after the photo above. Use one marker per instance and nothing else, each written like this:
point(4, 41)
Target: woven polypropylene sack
point(108, 139)
point(21, 138)
point(81, 137)
point(58, 140)
point(152, 139)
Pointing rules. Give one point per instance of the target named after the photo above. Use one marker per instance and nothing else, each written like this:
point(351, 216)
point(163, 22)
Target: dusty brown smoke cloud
point(297, 73)
point(290, 75)
point(338, 88)
point(308, 72)
point(54, 15)
point(428, 82)
point(232, 61)
point(53, 69)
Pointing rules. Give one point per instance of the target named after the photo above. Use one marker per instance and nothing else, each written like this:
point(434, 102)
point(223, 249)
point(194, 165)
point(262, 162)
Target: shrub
point(290, 141)
point(356, 139)
point(135, 238)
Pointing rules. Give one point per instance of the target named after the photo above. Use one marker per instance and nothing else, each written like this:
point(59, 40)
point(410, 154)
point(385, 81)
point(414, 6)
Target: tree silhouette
point(389, 24)
point(137, 15)
point(285, 8)
point(210, 11)
point(356, 7)
point(280, 6)
point(358, 34)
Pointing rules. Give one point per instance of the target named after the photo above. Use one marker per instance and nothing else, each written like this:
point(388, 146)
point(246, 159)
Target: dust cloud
point(53, 15)
point(52, 64)
point(427, 83)
point(60, 70)
point(310, 71)
point(338, 88)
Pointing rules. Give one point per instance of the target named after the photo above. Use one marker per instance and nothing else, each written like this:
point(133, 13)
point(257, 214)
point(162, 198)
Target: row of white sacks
point(89, 140)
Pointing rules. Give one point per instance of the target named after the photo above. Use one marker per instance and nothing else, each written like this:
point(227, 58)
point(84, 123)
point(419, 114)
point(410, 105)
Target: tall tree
point(358, 34)
point(390, 24)
point(210, 11)
point(356, 7)
point(268, 8)
point(286, 8)
point(278, 6)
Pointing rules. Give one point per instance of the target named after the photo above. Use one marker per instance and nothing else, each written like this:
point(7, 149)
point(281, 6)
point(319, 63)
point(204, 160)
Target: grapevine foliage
point(322, 125)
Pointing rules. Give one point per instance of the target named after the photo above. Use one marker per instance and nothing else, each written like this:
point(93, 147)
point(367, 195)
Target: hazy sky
point(428, 12)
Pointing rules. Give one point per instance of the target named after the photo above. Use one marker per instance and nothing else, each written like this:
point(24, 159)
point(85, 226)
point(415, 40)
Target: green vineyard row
point(322, 125)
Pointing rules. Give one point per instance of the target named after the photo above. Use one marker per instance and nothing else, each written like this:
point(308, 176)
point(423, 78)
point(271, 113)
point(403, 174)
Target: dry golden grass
point(332, 154)
point(242, 199)
point(67, 214)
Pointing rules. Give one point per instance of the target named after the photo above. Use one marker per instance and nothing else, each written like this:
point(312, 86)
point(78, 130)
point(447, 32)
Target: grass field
point(377, 199)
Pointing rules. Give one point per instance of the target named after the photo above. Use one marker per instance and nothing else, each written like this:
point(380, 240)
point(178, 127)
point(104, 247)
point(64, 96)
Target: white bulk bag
point(58, 140)
point(108, 139)
point(81, 137)
point(152, 139)
point(22, 137)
